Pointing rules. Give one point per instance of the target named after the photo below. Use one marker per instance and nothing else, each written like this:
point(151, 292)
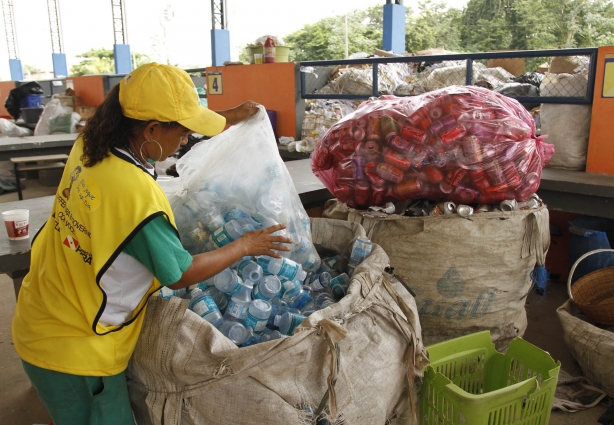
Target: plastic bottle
point(321, 282)
point(339, 285)
point(167, 293)
point(269, 50)
point(323, 300)
point(287, 322)
point(239, 303)
point(205, 306)
point(228, 233)
point(298, 297)
point(250, 270)
point(268, 288)
point(220, 298)
point(271, 336)
point(282, 267)
point(227, 281)
point(361, 250)
point(257, 315)
point(279, 307)
point(234, 331)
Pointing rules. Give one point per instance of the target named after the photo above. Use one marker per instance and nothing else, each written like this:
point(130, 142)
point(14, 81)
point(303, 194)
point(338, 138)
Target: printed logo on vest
point(73, 244)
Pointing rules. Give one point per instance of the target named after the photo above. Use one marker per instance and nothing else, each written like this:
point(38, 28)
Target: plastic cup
point(17, 224)
point(258, 57)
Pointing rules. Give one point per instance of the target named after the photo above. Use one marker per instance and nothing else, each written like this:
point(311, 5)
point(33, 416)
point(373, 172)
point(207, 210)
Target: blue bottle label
point(301, 301)
point(288, 270)
point(264, 263)
point(236, 310)
point(221, 237)
point(204, 306)
point(242, 266)
point(297, 319)
point(258, 295)
point(256, 324)
point(203, 286)
point(234, 213)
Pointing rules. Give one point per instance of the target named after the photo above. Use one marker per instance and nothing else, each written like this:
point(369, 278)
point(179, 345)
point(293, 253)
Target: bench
point(59, 161)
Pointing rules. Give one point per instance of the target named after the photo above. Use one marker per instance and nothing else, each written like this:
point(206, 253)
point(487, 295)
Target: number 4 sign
point(214, 82)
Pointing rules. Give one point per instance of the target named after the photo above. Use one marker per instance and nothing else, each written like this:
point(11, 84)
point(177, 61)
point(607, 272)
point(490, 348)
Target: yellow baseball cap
point(166, 93)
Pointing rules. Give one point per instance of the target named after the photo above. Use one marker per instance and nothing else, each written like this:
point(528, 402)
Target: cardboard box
point(66, 100)
point(86, 112)
point(514, 66)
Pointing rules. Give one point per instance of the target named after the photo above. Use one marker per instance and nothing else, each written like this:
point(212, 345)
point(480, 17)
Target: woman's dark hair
point(109, 128)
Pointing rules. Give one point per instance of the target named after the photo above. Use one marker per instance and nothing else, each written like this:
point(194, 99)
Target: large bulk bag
point(360, 356)
point(591, 346)
point(468, 274)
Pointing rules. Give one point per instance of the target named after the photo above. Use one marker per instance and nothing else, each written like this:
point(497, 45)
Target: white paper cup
point(17, 223)
point(258, 57)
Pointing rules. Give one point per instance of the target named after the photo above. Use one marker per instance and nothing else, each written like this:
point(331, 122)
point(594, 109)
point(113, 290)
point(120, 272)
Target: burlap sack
point(359, 356)
point(469, 274)
point(591, 346)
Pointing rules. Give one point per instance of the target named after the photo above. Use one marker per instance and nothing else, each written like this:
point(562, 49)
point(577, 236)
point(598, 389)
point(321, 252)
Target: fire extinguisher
point(269, 50)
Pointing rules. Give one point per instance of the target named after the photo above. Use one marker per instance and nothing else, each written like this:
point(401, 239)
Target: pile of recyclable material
point(234, 183)
point(459, 144)
point(262, 298)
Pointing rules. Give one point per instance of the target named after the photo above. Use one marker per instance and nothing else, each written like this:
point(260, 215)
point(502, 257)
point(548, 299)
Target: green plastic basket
point(470, 383)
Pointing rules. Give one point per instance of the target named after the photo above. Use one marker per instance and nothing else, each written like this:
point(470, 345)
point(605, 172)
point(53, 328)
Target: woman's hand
point(262, 242)
point(239, 113)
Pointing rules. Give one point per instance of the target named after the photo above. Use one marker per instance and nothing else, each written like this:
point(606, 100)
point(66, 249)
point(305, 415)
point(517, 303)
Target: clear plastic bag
point(56, 118)
point(237, 182)
point(462, 144)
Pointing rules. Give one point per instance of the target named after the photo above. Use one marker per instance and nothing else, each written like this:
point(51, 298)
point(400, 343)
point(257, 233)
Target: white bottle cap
point(277, 320)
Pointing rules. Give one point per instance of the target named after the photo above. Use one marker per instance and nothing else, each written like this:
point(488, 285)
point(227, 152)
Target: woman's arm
point(256, 242)
point(239, 113)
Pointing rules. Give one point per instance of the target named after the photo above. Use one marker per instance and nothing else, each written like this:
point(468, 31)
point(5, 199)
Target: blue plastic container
point(588, 234)
point(31, 101)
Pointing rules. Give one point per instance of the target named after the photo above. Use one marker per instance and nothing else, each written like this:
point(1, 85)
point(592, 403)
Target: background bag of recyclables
point(462, 144)
point(240, 168)
point(184, 371)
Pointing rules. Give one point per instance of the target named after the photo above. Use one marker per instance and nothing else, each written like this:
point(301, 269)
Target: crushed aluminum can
point(388, 208)
point(464, 210)
point(445, 208)
point(509, 205)
point(482, 208)
point(537, 198)
point(529, 204)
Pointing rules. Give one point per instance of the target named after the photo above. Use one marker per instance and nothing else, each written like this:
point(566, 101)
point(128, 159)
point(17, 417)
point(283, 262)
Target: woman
point(111, 242)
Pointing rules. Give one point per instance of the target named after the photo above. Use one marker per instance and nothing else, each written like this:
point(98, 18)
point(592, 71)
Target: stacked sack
point(263, 298)
point(460, 144)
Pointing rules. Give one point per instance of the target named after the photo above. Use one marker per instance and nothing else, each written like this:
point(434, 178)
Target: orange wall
point(5, 88)
point(89, 89)
point(271, 85)
point(600, 158)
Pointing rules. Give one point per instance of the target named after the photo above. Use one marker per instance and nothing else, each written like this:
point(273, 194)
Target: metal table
point(15, 255)
point(11, 147)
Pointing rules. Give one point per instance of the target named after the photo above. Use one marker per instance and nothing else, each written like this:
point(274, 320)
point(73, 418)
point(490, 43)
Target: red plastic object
point(463, 144)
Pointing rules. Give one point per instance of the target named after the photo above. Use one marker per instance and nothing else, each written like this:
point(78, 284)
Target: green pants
point(79, 400)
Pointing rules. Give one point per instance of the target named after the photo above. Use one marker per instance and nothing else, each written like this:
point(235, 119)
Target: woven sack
point(468, 274)
point(359, 357)
point(591, 346)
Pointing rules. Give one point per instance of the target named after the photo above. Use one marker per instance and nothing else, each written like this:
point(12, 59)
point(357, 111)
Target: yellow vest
point(97, 211)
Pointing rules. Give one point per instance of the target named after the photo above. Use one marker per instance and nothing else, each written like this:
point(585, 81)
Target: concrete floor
point(19, 404)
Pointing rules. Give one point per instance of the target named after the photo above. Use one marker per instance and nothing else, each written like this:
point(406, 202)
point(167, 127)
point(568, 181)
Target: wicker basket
point(594, 292)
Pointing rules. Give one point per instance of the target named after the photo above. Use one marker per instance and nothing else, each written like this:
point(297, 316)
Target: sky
point(184, 39)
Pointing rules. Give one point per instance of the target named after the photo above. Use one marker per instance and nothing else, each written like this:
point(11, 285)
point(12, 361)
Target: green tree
point(435, 25)
point(100, 61)
point(325, 39)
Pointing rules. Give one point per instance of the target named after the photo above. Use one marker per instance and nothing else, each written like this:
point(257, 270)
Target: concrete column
point(59, 65)
point(394, 28)
point(220, 47)
point(16, 69)
point(123, 60)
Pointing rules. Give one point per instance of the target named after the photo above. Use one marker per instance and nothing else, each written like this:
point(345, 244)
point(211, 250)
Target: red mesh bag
point(462, 144)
